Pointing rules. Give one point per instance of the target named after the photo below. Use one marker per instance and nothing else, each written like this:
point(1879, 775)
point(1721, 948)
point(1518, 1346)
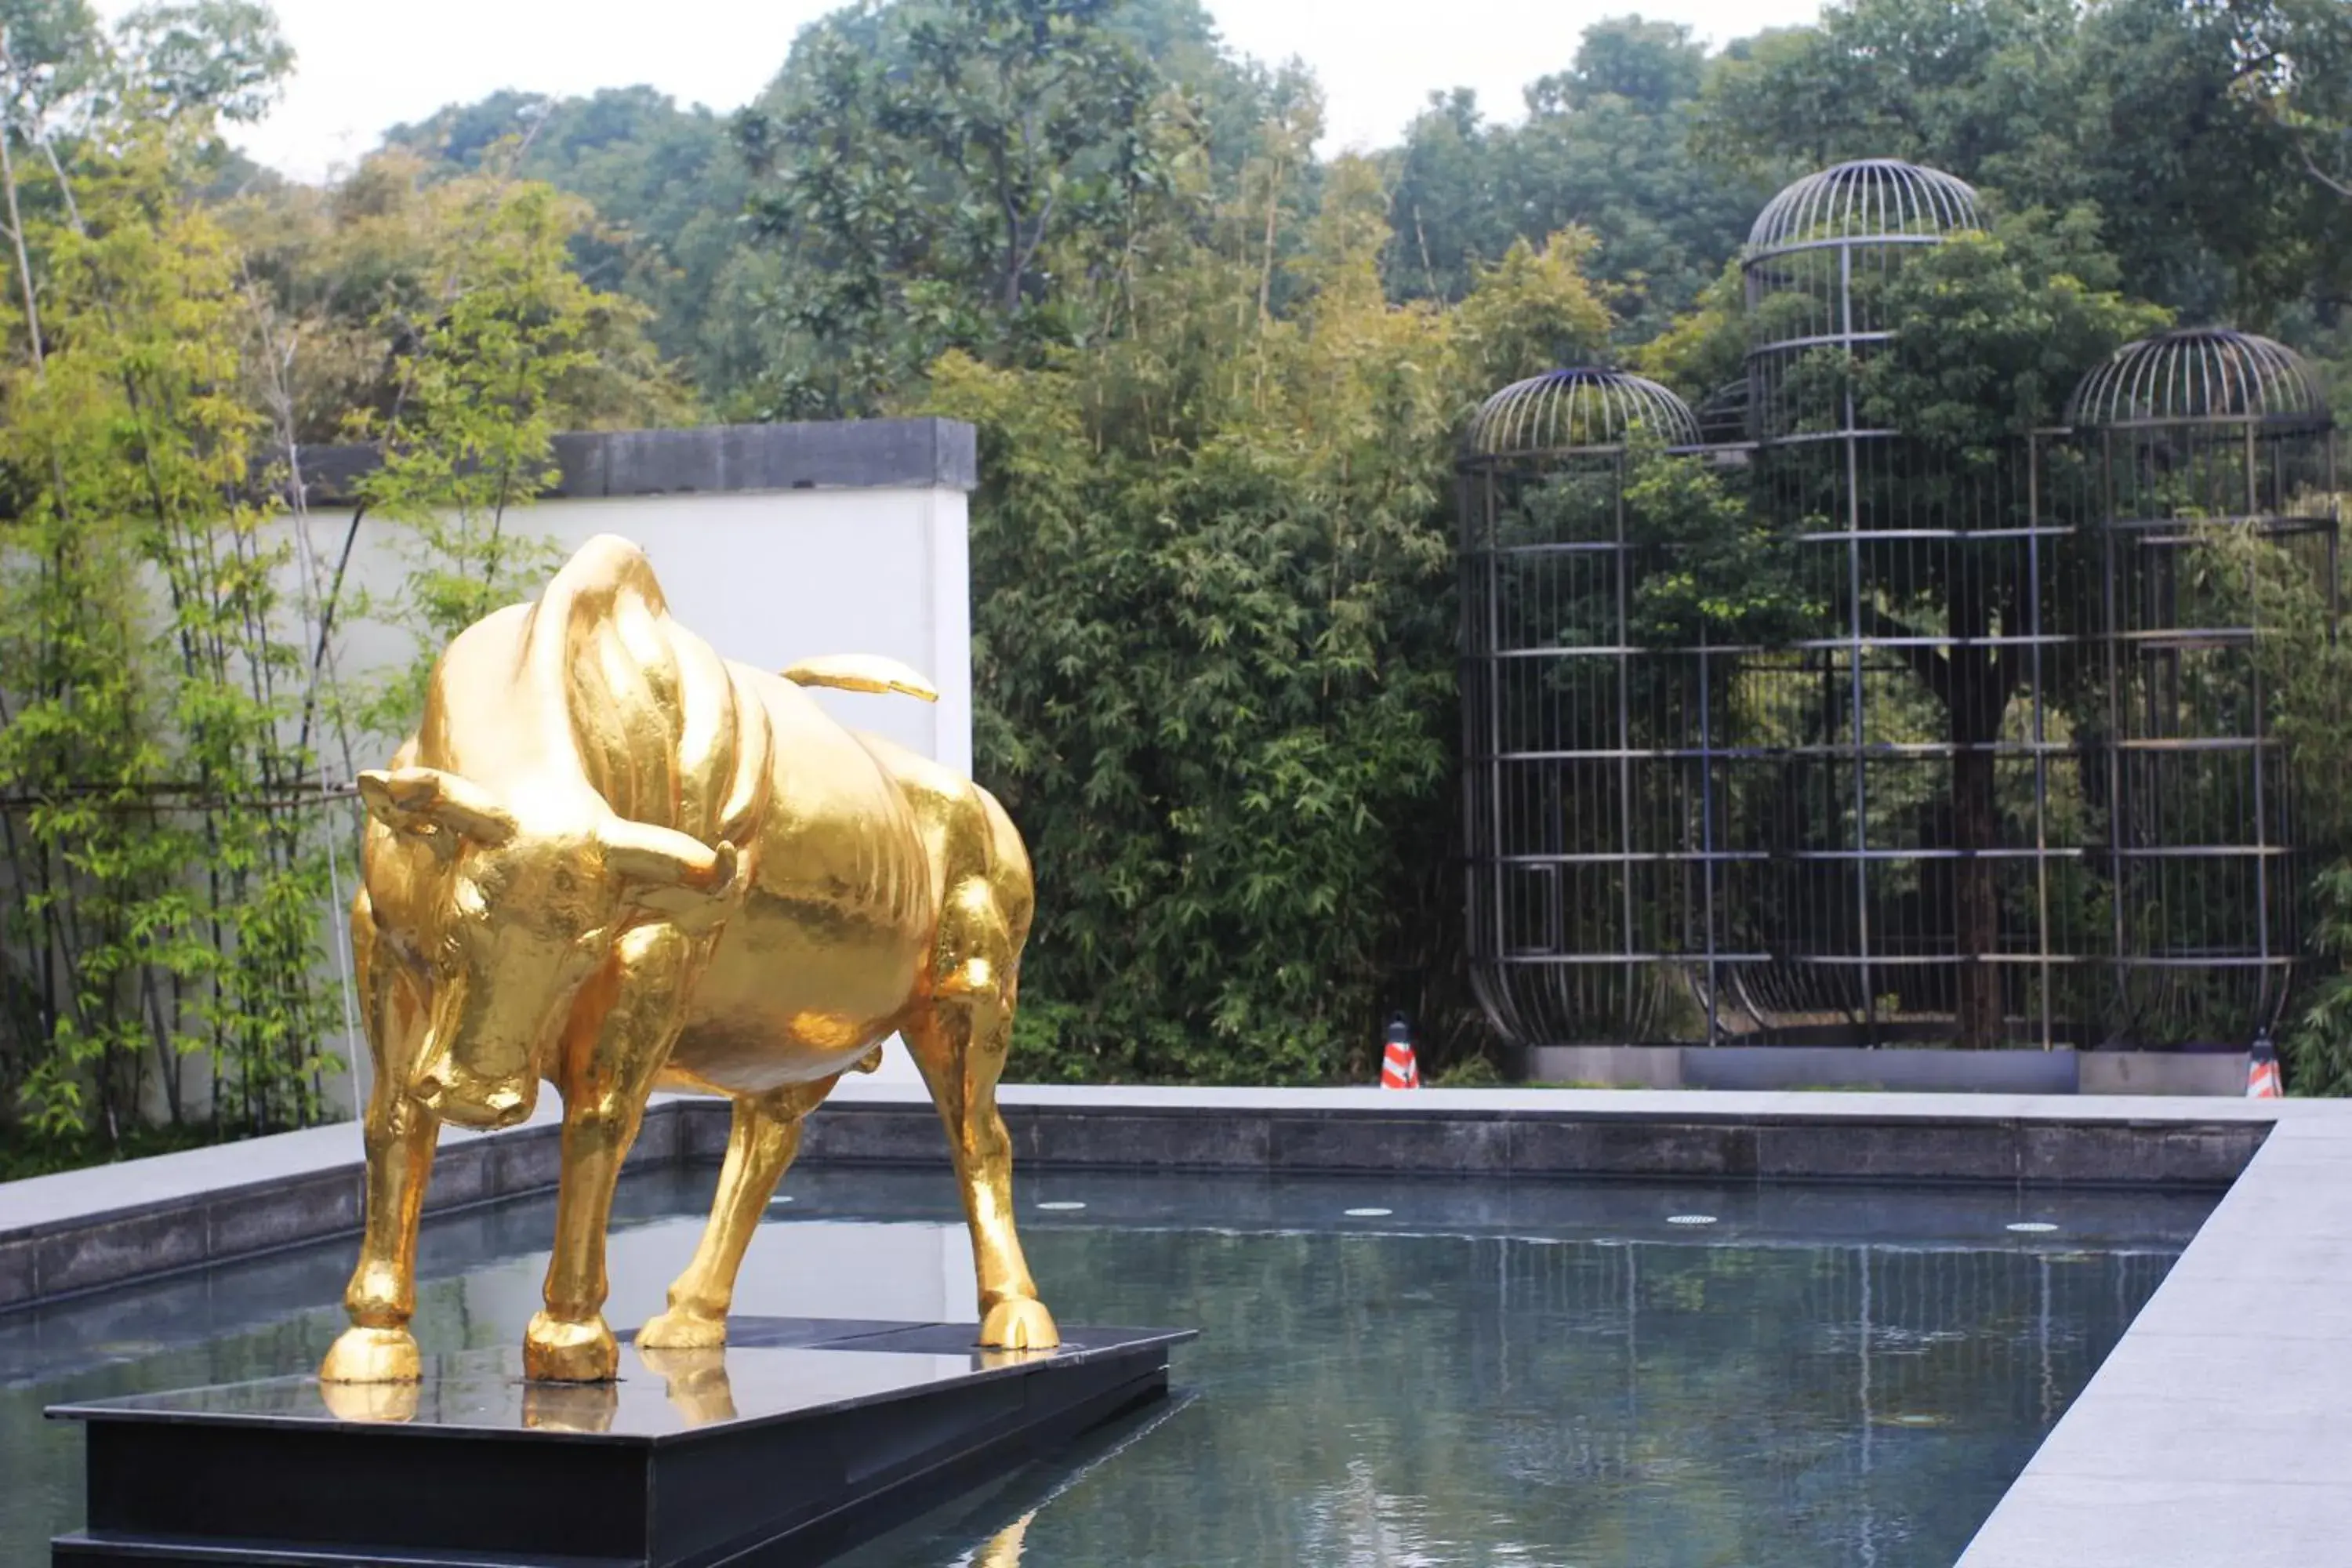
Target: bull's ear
point(428, 801)
point(668, 872)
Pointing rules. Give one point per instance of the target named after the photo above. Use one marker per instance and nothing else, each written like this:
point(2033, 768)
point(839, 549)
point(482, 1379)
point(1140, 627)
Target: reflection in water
point(1003, 1550)
point(388, 1402)
point(695, 1381)
point(570, 1406)
point(1458, 1401)
point(1035, 1488)
point(1522, 1373)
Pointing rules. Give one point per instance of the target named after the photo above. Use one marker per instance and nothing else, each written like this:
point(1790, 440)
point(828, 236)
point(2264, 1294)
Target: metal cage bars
point(1965, 808)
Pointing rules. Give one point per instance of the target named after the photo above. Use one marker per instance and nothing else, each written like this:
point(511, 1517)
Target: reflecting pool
point(1390, 1372)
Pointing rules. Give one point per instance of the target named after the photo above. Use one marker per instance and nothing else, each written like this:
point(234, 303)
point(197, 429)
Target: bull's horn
point(426, 800)
point(665, 857)
point(862, 672)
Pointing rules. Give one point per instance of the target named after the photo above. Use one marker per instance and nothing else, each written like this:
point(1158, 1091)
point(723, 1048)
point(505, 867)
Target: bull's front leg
point(382, 1296)
point(620, 1035)
point(400, 1134)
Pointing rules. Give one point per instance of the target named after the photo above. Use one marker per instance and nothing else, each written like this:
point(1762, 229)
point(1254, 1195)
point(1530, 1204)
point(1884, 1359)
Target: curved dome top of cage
point(1869, 198)
point(2198, 376)
point(1577, 410)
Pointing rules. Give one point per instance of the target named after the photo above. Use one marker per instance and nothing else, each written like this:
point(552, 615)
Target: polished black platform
point(802, 1438)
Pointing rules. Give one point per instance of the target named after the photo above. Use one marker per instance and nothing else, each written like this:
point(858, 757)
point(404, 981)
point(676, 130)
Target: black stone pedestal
point(800, 1439)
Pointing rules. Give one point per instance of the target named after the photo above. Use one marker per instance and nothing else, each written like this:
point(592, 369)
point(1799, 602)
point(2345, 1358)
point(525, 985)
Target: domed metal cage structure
point(2202, 375)
point(2005, 779)
point(1864, 199)
point(1570, 410)
point(1562, 766)
point(2183, 441)
point(1887, 770)
point(1816, 265)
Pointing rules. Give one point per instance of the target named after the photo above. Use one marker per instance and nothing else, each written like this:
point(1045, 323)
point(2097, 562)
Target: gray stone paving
point(2218, 1433)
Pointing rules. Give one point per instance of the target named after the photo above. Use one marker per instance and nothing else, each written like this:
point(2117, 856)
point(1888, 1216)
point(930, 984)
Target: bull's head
point(525, 911)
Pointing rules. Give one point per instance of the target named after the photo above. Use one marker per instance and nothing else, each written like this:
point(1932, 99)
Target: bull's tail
point(861, 672)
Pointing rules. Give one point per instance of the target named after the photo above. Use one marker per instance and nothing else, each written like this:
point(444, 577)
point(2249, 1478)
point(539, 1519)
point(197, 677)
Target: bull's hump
point(481, 712)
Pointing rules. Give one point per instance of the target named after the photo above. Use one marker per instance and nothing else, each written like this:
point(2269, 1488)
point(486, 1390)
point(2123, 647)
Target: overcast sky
point(368, 64)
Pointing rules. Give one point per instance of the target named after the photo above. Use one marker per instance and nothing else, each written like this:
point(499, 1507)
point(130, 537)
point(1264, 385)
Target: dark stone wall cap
point(721, 460)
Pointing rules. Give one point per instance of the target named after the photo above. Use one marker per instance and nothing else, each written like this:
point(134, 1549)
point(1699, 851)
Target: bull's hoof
point(682, 1329)
point(557, 1351)
point(371, 1355)
point(1019, 1323)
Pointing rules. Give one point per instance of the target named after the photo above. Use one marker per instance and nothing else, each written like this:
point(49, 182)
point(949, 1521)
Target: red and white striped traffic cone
point(1398, 1070)
point(2263, 1071)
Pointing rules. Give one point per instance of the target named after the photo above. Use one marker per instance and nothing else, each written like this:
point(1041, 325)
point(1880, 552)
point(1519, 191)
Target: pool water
point(1393, 1373)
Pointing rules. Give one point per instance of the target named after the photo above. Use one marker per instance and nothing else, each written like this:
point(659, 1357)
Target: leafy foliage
point(168, 841)
point(2305, 672)
point(171, 900)
point(663, 189)
point(1606, 147)
point(1214, 645)
point(929, 169)
point(2185, 126)
point(1217, 378)
point(470, 437)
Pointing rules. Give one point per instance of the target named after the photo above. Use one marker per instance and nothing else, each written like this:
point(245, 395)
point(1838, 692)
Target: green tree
point(929, 169)
point(2305, 664)
point(666, 184)
point(471, 439)
point(172, 891)
point(1605, 147)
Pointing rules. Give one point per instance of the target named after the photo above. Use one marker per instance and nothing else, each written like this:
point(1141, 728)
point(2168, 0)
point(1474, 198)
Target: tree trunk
point(1978, 697)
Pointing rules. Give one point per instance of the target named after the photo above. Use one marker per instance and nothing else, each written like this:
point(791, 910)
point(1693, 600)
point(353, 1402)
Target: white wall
point(767, 579)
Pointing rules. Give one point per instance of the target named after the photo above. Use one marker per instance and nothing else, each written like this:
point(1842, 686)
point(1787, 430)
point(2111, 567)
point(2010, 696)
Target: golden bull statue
point(611, 861)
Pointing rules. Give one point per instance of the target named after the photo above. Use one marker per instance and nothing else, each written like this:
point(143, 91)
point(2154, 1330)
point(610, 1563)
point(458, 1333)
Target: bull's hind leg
point(759, 1148)
point(959, 1039)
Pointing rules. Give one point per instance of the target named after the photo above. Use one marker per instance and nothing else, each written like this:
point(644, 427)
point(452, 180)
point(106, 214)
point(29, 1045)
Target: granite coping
point(2219, 1431)
point(1681, 1105)
point(2061, 1140)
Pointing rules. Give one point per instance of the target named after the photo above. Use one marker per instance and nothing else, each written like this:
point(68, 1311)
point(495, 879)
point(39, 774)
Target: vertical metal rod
point(1476, 862)
point(2262, 743)
point(1623, 556)
point(2117, 815)
point(1493, 676)
point(2041, 756)
point(1852, 444)
point(1707, 836)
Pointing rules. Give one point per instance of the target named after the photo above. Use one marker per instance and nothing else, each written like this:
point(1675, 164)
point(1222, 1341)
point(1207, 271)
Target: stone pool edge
point(80, 1231)
point(2216, 1432)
